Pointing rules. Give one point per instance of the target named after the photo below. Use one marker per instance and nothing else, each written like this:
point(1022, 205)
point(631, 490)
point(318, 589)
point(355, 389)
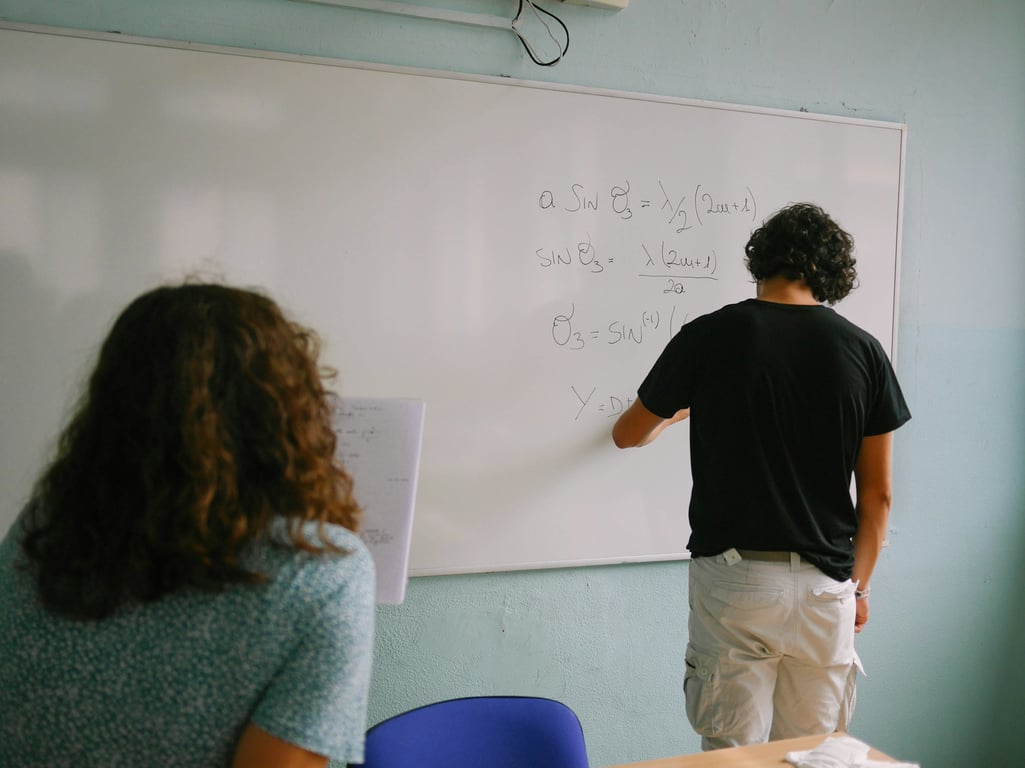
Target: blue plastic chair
point(480, 732)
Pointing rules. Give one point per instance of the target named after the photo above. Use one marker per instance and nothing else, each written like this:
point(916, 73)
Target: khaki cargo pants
point(770, 653)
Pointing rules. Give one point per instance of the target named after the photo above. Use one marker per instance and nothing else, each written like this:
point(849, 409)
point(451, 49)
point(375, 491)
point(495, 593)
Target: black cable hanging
point(527, 47)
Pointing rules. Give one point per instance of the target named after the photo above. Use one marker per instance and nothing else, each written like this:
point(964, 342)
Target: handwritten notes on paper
point(379, 441)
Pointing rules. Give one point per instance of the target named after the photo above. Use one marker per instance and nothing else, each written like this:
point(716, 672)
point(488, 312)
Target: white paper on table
point(379, 442)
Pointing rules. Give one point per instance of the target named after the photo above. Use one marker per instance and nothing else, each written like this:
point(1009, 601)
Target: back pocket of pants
point(829, 617)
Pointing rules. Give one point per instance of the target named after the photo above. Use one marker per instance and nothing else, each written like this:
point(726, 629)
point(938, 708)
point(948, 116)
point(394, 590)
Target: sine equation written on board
point(705, 203)
point(669, 260)
point(665, 256)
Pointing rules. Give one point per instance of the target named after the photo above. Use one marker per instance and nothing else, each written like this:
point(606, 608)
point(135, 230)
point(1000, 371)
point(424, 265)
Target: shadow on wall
point(47, 343)
point(1006, 740)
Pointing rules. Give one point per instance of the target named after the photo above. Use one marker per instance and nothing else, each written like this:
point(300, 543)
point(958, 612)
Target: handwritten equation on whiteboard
point(671, 258)
point(379, 442)
point(654, 242)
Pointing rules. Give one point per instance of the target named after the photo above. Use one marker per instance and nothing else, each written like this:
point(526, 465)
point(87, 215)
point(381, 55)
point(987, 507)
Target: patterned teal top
point(174, 683)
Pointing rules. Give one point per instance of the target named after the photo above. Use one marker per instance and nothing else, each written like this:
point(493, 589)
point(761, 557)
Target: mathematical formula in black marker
point(678, 210)
point(571, 335)
point(634, 257)
point(582, 254)
point(588, 401)
point(660, 259)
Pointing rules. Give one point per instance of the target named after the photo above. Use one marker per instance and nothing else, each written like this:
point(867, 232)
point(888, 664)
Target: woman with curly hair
point(787, 400)
point(185, 586)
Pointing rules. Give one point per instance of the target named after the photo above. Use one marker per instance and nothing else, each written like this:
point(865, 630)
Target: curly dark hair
point(204, 419)
point(801, 242)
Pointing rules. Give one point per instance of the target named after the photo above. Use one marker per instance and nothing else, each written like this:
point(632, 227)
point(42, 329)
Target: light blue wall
point(944, 647)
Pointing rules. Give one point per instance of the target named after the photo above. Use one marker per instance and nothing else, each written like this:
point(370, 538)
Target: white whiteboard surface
point(514, 254)
point(379, 442)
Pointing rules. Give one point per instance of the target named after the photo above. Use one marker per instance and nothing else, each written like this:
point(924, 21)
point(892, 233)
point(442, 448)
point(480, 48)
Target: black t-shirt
point(781, 396)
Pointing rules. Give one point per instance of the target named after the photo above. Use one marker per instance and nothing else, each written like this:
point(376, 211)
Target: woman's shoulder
point(336, 535)
point(353, 564)
point(341, 562)
point(281, 533)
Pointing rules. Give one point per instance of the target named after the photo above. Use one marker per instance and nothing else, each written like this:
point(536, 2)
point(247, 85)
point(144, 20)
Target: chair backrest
point(480, 732)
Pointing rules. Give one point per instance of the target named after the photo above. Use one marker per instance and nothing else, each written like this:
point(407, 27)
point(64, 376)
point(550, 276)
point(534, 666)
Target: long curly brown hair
point(801, 242)
point(205, 418)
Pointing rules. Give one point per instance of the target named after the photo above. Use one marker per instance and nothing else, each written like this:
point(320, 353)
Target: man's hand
point(638, 426)
point(860, 614)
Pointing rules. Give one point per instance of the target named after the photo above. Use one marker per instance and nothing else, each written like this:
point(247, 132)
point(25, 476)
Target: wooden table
point(756, 756)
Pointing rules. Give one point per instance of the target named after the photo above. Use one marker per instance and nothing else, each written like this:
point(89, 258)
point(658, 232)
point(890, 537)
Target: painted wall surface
point(943, 649)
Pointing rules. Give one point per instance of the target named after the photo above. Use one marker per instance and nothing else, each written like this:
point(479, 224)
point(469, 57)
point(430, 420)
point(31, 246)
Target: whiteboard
point(514, 254)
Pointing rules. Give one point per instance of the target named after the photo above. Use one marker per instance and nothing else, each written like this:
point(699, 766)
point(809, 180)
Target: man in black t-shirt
point(787, 400)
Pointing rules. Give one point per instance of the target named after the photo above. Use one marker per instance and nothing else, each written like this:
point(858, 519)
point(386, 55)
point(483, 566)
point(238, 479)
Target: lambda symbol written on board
point(654, 259)
point(661, 259)
point(705, 204)
point(667, 256)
